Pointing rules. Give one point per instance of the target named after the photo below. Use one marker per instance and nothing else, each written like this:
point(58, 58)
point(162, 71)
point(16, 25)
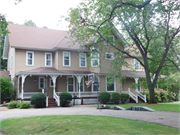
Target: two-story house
point(42, 61)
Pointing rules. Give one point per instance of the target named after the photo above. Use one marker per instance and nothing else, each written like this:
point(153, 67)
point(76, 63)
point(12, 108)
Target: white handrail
point(47, 101)
point(57, 98)
point(133, 96)
point(143, 97)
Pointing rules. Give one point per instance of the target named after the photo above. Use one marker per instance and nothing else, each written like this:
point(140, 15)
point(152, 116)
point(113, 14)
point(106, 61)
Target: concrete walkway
point(170, 119)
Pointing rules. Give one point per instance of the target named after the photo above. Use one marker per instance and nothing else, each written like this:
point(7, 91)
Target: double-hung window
point(70, 84)
point(48, 59)
point(29, 58)
point(41, 83)
point(110, 40)
point(109, 56)
point(110, 84)
point(136, 65)
point(94, 58)
point(67, 59)
point(82, 60)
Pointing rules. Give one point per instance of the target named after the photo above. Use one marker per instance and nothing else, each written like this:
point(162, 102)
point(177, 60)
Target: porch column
point(22, 83)
point(98, 81)
point(18, 85)
point(136, 81)
point(79, 77)
point(54, 83)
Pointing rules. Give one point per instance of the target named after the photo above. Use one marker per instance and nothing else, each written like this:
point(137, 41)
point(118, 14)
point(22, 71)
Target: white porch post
point(136, 81)
point(54, 84)
point(18, 85)
point(79, 77)
point(22, 83)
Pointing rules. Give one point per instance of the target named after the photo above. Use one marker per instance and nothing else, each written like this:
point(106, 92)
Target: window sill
point(110, 91)
point(66, 66)
point(30, 65)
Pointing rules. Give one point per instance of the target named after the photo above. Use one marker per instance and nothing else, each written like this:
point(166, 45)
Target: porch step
point(52, 103)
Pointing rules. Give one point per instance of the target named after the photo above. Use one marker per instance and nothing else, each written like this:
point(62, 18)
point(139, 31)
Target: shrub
point(157, 96)
point(6, 87)
point(104, 97)
point(38, 100)
point(25, 105)
point(116, 97)
point(124, 97)
point(65, 99)
point(13, 104)
point(163, 95)
point(170, 97)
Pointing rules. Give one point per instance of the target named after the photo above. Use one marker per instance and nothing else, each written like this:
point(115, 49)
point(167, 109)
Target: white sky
point(41, 12)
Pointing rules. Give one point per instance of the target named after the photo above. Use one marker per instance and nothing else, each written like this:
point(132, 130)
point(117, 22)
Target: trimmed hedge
point(104, 97)
point(13, 104)
point(65, 99)
point(116, 97)
point(124, 97)
point(25, 105)
point(38, 100)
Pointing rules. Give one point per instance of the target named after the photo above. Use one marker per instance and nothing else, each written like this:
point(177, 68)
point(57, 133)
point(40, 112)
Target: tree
point(150, 27)
point(30, 23)
point(3, 32)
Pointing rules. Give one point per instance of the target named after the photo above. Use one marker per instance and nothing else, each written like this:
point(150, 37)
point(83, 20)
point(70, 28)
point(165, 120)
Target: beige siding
point(12, 70)
point(56, 59)
point(127, 84)
point(130, 61)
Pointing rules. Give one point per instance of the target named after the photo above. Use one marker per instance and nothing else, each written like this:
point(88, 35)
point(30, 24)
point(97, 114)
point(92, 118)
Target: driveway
point(170, 119)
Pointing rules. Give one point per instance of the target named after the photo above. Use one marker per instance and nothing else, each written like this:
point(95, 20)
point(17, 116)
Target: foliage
point(145, 25)
point(81, 124)
point(13, 104)
point(104, 97)
point(6, 87)
point(38, 100)
point(124, 97)
point(116, 97)
point(65, 99)
point(30, 23)
point(24, 105)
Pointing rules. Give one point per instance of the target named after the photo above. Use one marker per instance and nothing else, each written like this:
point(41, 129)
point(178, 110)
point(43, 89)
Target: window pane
point(66, 62)
point(30, 55)
point(70, 80)
point(110, 85)
point(83, 63)
point(94, 62)
point(70, 88)
point(29, 61)
point(48, 62)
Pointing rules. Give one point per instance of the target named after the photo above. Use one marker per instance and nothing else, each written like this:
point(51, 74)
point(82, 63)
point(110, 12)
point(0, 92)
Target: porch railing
point(143, 97)
point(26, 95)
point(133, 96)
point(83, 94)
point(57, 98)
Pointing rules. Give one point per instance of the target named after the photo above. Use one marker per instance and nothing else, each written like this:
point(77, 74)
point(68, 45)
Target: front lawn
point(174, 107)
point(80, 124)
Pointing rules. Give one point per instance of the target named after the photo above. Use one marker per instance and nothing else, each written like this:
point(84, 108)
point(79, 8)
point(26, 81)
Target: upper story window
point(29, 58)
point(41, 83)
point(110, 84)
point(48, 59)
point(110, 40)
point(109, 56)
point(136, 65)
point(12, 61)
point(82, 60)
point(94, 58)
point(67, 59)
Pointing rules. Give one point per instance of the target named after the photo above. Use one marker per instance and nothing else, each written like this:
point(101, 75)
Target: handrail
point(143, 97)
point(133, 96)
point(57, 98)
point(47, 101)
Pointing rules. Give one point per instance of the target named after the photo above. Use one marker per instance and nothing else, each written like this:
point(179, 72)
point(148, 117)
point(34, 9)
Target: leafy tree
point(30, 23)
point(6, 87)
point(151, 29)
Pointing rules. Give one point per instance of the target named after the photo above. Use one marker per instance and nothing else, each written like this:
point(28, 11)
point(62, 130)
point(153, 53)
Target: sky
point(41, 12)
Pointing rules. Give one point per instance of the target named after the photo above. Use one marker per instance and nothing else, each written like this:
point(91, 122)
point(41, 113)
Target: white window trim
point(69, 59)
point(73, 84)
point(50, 79)
point(114, 85)
point(135, 65)
point(27, 58)
point(105, 43)
point(43, 82)
point(95, 59)
point(108, 58)
point(51, 60)
point(80, 60)
point(77, 84)
point(11, 61)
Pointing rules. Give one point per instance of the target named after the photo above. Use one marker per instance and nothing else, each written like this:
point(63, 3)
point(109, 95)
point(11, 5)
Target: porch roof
point(4, 74)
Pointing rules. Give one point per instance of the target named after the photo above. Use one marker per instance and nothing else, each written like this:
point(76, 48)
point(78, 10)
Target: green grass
point(174, 107)
point(80, 124)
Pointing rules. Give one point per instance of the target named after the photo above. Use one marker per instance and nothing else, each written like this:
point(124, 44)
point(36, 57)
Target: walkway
point(170, 119)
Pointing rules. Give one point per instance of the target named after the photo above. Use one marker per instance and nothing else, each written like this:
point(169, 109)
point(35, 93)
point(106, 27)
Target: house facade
point(42, 61)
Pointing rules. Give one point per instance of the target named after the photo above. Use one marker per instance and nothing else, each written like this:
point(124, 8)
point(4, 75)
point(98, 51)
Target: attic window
point(109, 56)
point(110, 40)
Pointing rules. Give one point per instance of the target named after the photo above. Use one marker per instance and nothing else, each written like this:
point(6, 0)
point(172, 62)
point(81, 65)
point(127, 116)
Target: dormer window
point(109, 56)
point(48, 59)
point(110, 40)
point(94, 58)
point(136, 65)
point(29, 58)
